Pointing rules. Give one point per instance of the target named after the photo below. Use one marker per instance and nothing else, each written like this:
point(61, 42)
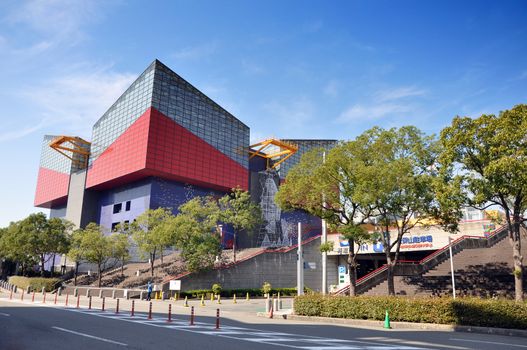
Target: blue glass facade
point(303, 147)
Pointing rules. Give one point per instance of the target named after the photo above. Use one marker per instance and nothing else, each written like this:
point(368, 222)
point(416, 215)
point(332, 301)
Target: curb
point(411, 325)
point(276, 314)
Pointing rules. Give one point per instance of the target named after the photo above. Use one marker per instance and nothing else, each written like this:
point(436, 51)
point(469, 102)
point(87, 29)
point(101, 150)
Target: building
point(160, 144)
point(164, 142)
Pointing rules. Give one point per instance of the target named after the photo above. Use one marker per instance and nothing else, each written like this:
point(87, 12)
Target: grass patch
point(35, 283)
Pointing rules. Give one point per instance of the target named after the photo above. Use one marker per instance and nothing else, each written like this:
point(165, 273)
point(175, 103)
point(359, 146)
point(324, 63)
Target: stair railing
point(378, 275)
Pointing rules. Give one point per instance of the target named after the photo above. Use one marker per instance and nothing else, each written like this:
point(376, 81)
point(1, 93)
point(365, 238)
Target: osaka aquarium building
point(164, 142)
point(160, 144)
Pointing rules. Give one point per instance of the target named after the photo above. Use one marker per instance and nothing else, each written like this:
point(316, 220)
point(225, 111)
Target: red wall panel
point(125, 156)
point(52, 188)
point(175, 151)
point(155, 145)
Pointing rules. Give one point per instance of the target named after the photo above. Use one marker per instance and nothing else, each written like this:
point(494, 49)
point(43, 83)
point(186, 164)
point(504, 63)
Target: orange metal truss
point(273, 149)
point(78, 147)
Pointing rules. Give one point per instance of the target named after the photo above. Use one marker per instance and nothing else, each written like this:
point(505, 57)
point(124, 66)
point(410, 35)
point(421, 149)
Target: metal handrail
point(248, 257)
point(426, 259)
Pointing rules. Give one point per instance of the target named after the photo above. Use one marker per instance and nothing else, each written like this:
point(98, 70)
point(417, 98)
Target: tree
point(37, 238)
point(328, 189)
point(120, 243)
point(14, 247)
point(193, 233)
point(76, 252)
point(237, 209)
point(96, 247)
point(490, 156)
point(149, 232)
point(397, 180)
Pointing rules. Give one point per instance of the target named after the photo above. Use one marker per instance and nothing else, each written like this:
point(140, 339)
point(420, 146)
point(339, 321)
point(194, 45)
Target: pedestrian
point(148, 290)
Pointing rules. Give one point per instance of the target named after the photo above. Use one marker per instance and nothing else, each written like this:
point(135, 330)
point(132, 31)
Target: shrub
point(228, 293)
point(461, 311)
point(216, 288)
point(267, 288)
point(35, 283)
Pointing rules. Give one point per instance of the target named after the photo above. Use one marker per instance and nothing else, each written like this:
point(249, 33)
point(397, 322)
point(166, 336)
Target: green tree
point(37, 238)
point(193, 233)
point(397, 181)
point(76, 252)
point(328, 189)
point(490, 156)
point(387, 177)
point(96, 247)
point(14, 247)
point(237, 209)
point(149, 231)
point(120, 243)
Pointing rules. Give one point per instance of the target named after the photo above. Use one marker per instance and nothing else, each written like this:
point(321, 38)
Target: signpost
point(174, 285)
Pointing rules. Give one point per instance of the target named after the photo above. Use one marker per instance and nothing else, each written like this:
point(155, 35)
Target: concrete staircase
point(483, 272)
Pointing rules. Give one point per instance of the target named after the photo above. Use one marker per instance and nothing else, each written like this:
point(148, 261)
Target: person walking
point(148, 290)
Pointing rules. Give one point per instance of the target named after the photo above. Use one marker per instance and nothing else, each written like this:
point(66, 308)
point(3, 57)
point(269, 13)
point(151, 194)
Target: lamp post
point(452, 267)
point(220, 229)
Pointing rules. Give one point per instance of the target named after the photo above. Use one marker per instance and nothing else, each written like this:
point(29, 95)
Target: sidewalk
point(243, 310)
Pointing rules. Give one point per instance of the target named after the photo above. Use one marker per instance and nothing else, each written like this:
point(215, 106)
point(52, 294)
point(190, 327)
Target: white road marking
point(206, 328)
point(4, 314)
point(412, 342)
point(89, 336)
point(489, 342)
point(232, 332)
point(332, 348)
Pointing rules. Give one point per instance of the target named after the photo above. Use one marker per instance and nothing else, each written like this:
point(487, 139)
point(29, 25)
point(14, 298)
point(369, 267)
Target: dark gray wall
point(277, 268)
point(82, 204)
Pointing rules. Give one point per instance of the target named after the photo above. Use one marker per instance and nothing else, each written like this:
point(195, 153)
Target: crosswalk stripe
point(245, 334)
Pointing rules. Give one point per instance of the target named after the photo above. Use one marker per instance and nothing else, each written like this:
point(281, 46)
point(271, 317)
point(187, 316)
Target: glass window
point(117, 208)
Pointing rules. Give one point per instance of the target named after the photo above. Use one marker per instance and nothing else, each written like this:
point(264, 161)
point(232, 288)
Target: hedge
point(461, 311)
point(35, 283)
point(241, 292)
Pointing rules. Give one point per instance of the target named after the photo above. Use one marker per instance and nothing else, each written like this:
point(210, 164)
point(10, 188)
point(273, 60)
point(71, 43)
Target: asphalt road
point(33, 326)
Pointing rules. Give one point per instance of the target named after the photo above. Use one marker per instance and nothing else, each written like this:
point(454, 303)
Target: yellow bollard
point(211, 296)
point(247, 297)
point(219, 299)
point(202, 300)
point(234, 298)
point(176, 296)
point(186, 302)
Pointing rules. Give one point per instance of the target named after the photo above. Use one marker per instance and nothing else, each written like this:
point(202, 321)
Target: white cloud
point(298, 110)
point(399, 93)
point(387, 102)
point(371, 112)
point(77, 100)
point(195, 52)
point(59, 20)
point(16, 134)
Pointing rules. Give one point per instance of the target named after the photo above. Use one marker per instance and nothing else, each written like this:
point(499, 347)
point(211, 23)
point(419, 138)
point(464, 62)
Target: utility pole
point(300, 263)
point(323, 240)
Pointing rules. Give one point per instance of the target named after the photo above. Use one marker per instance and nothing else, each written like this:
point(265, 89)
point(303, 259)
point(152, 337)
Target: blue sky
point(291, 69)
